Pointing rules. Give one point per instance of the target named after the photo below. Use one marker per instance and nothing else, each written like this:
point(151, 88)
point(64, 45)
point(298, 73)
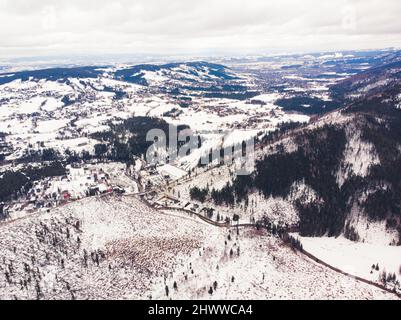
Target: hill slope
point(117, 248)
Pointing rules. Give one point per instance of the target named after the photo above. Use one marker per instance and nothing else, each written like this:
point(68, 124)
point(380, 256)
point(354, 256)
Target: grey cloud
point(61, 27)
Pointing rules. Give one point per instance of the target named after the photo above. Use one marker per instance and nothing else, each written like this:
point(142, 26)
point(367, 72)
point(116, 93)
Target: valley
point(85, 214)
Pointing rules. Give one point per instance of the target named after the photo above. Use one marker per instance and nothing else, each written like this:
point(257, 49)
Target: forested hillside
point(351, 162)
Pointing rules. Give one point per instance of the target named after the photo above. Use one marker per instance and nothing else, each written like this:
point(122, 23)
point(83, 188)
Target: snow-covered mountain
point(84, 215)
point(382, 81)
point(190, 76)
point(190, 72)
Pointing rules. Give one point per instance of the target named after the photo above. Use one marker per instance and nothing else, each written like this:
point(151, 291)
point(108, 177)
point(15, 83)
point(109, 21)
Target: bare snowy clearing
point(359, 157)
point(118, 248)
point(355, 258)
point(96, 248)
point(255, 265)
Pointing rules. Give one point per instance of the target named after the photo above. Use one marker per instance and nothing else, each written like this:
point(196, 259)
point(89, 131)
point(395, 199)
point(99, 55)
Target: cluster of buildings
point(78, 183)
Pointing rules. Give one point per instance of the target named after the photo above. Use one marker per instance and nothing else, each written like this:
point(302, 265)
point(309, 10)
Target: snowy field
point(118, 248)
point(355, 258)
point(255, 265)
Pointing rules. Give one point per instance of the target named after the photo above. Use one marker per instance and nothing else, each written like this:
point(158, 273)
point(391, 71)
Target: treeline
point(199, 194)
point(16, 183)
point(232, 95)
point(281, 129)
point(307, 105)
point(317, 158)
point(3, 146)
point(53, 74)
point(128, 138)
point(45, 154)
point(229, 195)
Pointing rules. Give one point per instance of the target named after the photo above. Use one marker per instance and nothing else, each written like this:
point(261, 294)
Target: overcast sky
point(199, 27)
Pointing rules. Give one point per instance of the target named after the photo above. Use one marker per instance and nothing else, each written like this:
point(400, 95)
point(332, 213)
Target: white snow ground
point(355, 258)
point(118, 248)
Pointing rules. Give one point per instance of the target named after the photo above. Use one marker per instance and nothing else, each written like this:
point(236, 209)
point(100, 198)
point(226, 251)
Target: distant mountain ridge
point(133, 74)
point(384, 80)
point(179, 79)
point(52, 74)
